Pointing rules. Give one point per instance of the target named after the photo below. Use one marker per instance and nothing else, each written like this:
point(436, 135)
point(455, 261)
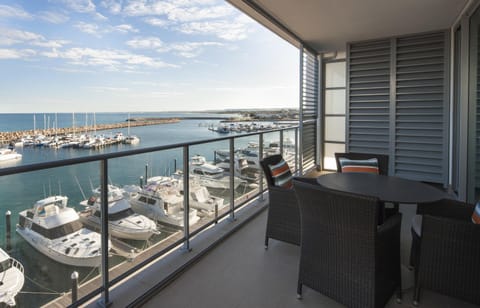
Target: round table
point(385, 188)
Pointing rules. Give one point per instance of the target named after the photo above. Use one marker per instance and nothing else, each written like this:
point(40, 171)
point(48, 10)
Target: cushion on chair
point(281, 174)
point(366, 165)
point(476, 214)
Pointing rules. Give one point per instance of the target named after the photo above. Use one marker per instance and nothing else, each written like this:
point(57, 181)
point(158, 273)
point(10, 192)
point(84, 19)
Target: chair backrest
point(382, 160)
point(336, 217)
point(270, 160)
point(448, 208)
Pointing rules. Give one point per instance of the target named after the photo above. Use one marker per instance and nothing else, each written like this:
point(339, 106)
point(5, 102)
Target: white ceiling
point(327, 25)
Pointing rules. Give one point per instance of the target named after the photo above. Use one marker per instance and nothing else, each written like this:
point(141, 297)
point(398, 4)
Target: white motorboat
point(123, 222)
point(56, 231)
point(200, 197)
point(208, 175)
point(162, 201)
point(11, 278)
point(9, 154)
point(131, 140)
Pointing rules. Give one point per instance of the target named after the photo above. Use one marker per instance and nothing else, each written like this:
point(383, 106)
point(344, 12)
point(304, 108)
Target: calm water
point(47, 278)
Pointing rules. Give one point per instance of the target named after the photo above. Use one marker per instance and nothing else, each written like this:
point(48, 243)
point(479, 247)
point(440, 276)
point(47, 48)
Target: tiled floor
point(241, 273)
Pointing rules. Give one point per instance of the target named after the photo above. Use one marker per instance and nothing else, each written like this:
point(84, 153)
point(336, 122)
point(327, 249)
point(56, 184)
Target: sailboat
point(130, 139)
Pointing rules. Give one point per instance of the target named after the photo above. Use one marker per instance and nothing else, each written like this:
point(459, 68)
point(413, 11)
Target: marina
point(164, 183)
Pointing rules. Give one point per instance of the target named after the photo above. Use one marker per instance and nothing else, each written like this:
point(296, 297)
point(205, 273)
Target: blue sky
point(140, 55)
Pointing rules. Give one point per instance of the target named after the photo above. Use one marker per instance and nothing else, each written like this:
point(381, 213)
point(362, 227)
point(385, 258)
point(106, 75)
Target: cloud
point(13, 11)
point(110, 59)
point(178, 11)
point(145, 43)
point(89, 28)
point(189, 49)
point(53, 17)
point(115, 7)
point(80, 6)
point(98, 31)
point(16, 54)
point(109, 89)
point(10, 37)
point(229, 31)
point(157, 22)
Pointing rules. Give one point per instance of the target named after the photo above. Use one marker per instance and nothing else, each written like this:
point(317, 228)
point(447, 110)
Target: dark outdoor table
point(385, 188)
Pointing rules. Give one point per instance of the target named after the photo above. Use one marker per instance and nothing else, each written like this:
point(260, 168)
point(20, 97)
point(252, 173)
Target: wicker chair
point(448, 251)
point(283, 222)
point(382, 160)
point(344, 254)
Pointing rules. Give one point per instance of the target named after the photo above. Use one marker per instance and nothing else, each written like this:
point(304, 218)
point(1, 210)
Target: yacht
point(9, 154)
point(55, 230)
point(201, 199)
point(208, 175)
point(12, 278)
point(123, 222)
point(162, 201)
point(131, 139)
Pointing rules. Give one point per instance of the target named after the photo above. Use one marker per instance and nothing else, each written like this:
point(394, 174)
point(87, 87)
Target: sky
point(140, 55)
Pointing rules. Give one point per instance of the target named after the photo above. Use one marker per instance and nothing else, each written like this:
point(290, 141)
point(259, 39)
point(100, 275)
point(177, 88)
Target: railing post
point(232, 179)
point(74, 280)
point(281, 142)
point(260, 158)
point(186, 198)
point(105, 300)
point(296, 149)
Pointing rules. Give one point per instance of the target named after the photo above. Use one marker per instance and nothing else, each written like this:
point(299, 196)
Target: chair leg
point(266, 242)
point(299, 291)
point(416, 295)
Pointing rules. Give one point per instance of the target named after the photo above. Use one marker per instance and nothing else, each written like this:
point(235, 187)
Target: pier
point(8, 137)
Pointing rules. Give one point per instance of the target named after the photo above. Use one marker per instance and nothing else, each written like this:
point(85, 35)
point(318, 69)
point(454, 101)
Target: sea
point(46, 279)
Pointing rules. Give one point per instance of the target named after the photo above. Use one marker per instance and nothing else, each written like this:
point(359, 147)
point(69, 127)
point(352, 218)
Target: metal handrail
point(103, 159)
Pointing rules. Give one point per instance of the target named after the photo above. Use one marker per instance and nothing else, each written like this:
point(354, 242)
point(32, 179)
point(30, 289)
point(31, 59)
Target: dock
point(8, 137)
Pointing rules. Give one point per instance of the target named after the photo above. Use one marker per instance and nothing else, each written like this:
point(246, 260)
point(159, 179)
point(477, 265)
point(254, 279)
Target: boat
point(200, 197)
point(208, 175)
point(123, 222)
point(161, 200)
point(12, 278)
point(55, 230)
point(9, 154)
point(130, 139)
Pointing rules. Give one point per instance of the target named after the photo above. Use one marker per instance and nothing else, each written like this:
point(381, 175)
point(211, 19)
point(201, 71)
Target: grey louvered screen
point(309, 110)
point(398, 103)
point(369, 97)
point(421, 107)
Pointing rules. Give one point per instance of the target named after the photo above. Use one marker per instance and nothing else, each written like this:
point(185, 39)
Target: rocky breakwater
point(7, 137)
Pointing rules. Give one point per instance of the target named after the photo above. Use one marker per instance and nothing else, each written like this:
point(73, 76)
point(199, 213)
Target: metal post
point(232, 179)
point(105, 300)
point(74, 278)
point(281, 142)
point(186, 198)
point(174, 165)
point(141, 182)
point(146, 174)
point(8, 216)
point(296, 149)
point(300, 115)
point(260, 158)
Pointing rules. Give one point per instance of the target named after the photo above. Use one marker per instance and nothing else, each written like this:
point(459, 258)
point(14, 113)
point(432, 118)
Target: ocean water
point(46, 279)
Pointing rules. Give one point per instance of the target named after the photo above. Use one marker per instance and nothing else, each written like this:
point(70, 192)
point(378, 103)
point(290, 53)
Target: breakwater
point(7, 137)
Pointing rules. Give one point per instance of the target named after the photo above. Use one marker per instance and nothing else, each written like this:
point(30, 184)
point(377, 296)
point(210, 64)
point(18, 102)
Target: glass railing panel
point(47, 235)
point(247, 167)
point(290, 148)
point(148, 212)
point(271, 143)
point(209, 184)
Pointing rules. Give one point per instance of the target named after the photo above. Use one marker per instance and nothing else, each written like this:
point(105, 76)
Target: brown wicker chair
point(344, 253)
point(283, 222)
point(448, 251)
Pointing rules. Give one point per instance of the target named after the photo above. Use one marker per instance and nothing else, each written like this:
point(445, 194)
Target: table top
point(386, 188)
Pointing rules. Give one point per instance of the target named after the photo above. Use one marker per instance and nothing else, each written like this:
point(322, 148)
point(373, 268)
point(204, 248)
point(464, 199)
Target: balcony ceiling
point(327, 25)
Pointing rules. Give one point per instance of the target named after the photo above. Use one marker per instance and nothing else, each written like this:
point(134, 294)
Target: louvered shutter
point(308, 110)
point(398, 103)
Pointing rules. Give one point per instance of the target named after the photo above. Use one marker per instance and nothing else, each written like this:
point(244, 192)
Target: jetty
point(9, 137)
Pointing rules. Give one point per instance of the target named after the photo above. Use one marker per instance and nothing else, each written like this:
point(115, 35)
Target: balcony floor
point(239, 272)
